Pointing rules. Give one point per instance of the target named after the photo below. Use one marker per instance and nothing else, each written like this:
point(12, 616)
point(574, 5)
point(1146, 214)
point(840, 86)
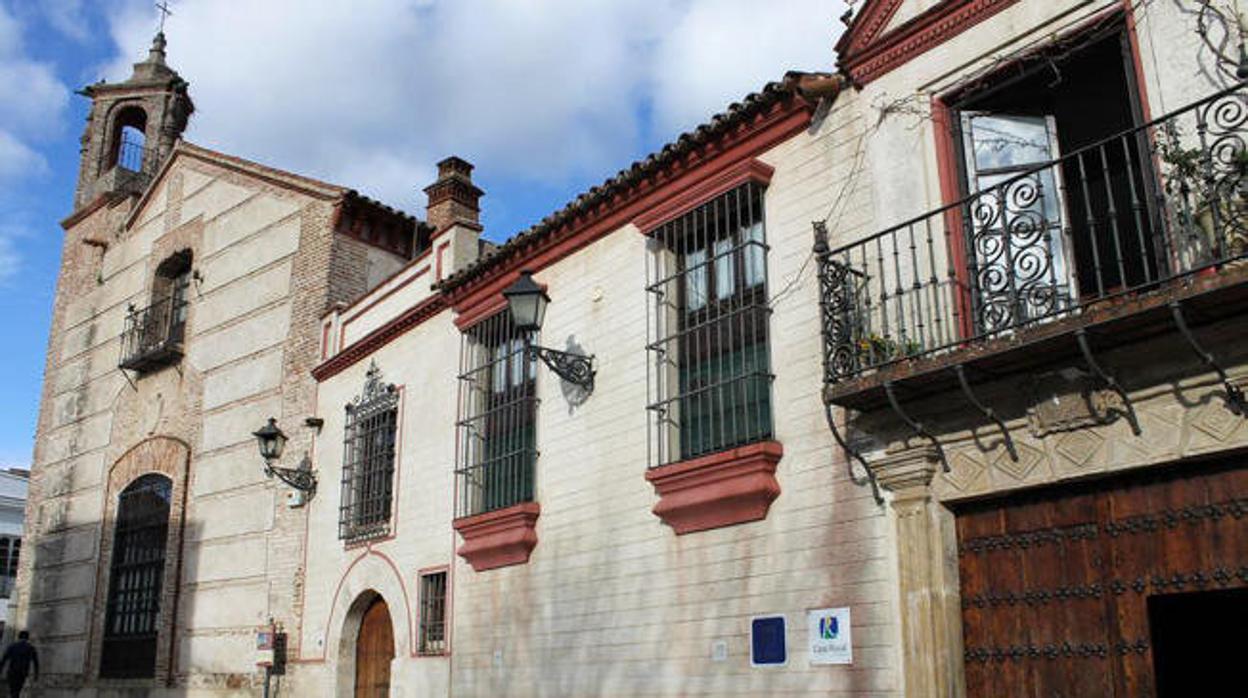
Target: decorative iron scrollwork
point(576, 369)
point(301, 478)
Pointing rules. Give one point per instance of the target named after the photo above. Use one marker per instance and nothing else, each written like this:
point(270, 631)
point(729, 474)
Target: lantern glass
point(527, 302)
point(271, 440)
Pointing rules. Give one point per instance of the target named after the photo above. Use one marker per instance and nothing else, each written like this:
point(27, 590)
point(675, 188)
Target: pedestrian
point(20, 657)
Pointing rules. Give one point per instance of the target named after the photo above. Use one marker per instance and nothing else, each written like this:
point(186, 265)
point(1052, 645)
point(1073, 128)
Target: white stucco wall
point(611, 601)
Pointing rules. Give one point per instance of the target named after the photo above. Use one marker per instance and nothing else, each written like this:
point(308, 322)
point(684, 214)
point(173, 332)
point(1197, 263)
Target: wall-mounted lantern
point(272, 441)
point(527, 302)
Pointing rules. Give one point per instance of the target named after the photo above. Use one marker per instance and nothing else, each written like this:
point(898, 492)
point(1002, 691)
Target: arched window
point(129, 139)
point(153, 335)
point(135, 579)
point(173, 280)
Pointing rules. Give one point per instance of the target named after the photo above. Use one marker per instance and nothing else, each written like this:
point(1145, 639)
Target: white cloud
point(18, 159)
point(371, 94)
point(720, 51)
point(67, 17)
point(32, 104)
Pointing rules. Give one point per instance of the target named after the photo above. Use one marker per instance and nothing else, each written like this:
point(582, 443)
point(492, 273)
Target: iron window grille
point(10, 551)
point(496, 431)
point(433, 613)
point(368, 450)
point(136, 576)
point(709, 372)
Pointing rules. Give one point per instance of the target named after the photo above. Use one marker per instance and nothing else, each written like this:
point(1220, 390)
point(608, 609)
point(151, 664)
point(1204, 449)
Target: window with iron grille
point(710, 368)
point(10, 550)
point(497, 415)
point(433, 613)
point(136, 576)
point(369, 438)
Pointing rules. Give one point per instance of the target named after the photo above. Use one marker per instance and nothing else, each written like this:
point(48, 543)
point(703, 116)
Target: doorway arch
point(366, 649)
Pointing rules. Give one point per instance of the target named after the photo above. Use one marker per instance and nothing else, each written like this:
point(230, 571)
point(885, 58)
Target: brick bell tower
point(131, 128)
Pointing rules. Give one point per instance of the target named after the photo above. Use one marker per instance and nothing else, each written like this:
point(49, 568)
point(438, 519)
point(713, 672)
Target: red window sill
point(717, 490)
point(499, 538)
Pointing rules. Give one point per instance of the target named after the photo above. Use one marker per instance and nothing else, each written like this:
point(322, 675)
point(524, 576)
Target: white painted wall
point(612, 602)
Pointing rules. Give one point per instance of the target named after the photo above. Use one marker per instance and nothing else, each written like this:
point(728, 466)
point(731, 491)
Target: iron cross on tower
point(163, 6)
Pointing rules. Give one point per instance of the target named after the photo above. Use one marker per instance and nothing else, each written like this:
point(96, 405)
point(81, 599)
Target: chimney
point(453, 198)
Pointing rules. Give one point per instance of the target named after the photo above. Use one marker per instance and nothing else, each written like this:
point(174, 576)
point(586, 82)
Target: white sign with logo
point(830, 640)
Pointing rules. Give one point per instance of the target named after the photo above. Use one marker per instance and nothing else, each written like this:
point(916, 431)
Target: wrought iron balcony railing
point(1120, 217)
point(153, 335)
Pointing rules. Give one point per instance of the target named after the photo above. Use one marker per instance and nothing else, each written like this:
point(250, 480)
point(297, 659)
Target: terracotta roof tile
point(596, 195)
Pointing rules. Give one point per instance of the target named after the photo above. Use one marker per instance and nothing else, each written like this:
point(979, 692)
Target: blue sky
point(545, 97)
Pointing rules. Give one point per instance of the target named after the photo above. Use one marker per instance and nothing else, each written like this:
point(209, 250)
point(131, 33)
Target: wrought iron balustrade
point(1123, 216)
point(153, 335)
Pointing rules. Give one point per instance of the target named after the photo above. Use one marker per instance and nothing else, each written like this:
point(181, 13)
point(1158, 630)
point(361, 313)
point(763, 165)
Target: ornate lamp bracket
point(576, 369)
point(301, 478)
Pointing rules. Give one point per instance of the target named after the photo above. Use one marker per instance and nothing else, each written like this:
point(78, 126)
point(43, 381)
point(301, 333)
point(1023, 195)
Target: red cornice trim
point(721, 489)
point(867, 26)
point(752, 170)
point(380, 337)
point(483, 309)
point(917, 36)
point(784, 120)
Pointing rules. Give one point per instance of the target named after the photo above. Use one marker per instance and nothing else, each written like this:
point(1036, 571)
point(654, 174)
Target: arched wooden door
point(374, 649)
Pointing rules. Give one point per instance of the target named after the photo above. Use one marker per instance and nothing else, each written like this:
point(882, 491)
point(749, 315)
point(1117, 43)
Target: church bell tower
point(131, 128)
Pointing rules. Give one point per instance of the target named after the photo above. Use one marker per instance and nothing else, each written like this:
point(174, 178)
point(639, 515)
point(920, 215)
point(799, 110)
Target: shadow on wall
point(627, 631)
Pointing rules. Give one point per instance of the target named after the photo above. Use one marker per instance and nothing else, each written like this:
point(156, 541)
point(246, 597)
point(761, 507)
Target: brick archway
point(170, 457)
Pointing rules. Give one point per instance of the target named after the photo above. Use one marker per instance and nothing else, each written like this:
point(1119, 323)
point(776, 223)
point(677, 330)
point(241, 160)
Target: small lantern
point(271, 441)
point(527, 302)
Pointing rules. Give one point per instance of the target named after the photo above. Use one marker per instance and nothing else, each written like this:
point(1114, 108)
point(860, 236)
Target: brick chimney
point(453, 198)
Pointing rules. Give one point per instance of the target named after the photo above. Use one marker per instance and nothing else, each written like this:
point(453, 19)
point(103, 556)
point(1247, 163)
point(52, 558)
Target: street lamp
point(271, 441)
point(527, 302)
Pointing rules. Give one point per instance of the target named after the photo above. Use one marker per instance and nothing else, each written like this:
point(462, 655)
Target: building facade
point(187, 313)
point(918, 378)
point(13, 487)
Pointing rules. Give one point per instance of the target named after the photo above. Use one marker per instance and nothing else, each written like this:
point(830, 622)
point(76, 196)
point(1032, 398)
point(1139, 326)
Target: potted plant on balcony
point(1207, 198)
point(874, 349)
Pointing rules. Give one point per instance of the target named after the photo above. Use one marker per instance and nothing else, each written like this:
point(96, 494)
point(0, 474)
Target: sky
point(545, 97)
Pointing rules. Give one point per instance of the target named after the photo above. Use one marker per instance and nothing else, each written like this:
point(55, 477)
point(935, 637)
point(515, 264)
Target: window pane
point(695, 280)
point(755, 261)
point(1009, 141)
point(725, 278)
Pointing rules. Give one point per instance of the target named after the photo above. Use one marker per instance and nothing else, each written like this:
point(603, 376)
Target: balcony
point(153, 335)
point(1138, 234)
